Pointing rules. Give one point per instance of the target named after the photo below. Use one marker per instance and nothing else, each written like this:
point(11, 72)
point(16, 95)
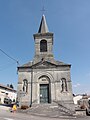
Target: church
point(45, 80)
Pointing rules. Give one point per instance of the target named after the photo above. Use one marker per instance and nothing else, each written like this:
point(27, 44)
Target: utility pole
point(31, 84)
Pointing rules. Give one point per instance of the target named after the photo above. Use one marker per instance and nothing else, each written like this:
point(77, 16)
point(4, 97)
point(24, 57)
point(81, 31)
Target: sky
point(69, 20)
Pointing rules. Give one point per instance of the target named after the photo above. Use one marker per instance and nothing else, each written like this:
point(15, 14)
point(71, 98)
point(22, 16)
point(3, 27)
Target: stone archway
point(40, 80)
point(44, 89)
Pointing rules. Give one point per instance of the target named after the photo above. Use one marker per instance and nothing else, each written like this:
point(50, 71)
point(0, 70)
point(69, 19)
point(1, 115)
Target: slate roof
point(57, 63)
point(43, 26)
point(7, 88)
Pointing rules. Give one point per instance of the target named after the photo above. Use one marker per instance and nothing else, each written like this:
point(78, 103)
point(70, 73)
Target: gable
point(44, 64)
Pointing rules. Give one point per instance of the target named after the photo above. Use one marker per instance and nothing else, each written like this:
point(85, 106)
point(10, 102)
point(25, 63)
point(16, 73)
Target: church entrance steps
point(65, 109)
point(49, 110)
point(63, 106)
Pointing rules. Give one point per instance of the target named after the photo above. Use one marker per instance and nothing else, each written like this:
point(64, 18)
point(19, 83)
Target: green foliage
point(11, 86)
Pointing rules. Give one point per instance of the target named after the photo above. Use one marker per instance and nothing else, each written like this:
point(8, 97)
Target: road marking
point(8, 119)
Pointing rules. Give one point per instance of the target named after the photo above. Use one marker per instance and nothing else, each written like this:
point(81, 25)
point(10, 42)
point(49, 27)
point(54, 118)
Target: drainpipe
point(31, 84)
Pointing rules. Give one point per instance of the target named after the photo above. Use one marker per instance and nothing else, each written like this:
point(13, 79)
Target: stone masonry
point(45, 80)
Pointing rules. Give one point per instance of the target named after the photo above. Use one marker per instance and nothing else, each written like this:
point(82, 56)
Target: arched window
point(43, 46)
point(63, 85)
point(25, 85)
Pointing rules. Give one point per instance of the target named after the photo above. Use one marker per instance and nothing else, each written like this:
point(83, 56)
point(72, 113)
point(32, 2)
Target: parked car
point(7, 101)
point(88, 109)
point(17, 103)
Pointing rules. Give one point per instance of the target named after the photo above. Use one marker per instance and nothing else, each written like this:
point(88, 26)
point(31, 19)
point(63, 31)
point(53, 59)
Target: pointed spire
point(43, 25)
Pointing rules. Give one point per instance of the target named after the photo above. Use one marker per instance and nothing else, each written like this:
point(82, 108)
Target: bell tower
point(43, 42)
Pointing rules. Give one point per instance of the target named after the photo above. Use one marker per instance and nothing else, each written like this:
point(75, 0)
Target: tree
point(11, 86)
point(7, 85)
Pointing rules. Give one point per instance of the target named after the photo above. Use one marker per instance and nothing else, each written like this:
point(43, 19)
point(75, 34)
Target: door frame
point(44, 79)
point(48, 99)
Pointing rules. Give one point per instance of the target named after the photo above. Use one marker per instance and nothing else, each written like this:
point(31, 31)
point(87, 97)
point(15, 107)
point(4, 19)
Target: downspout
point(31, 84)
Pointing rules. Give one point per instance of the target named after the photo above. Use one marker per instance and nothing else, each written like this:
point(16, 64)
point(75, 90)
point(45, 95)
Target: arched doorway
point(44, 88)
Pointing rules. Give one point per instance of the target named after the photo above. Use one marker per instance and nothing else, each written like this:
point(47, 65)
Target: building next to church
point(45, 80)
point(8, 93)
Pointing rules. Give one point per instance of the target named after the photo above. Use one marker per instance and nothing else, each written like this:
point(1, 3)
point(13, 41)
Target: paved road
point(6, 115)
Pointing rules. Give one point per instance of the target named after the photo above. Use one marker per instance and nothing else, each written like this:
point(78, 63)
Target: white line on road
point(8, 119)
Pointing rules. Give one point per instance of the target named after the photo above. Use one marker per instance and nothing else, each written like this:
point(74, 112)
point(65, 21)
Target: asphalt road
point(6, 115)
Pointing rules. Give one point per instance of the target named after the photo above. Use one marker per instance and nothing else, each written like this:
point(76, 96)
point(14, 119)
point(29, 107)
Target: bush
point(83, 106)
point(24, 107)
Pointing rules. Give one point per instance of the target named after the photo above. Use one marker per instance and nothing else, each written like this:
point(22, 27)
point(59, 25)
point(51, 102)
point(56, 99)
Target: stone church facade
point(45, 80)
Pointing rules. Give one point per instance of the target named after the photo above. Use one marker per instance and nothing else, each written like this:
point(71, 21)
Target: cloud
point(77, 85)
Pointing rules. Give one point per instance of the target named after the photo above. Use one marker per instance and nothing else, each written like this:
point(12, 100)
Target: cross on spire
point(43, 9)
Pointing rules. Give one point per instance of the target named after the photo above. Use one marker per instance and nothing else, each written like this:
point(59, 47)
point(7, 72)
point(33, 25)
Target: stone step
point(48, 110)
